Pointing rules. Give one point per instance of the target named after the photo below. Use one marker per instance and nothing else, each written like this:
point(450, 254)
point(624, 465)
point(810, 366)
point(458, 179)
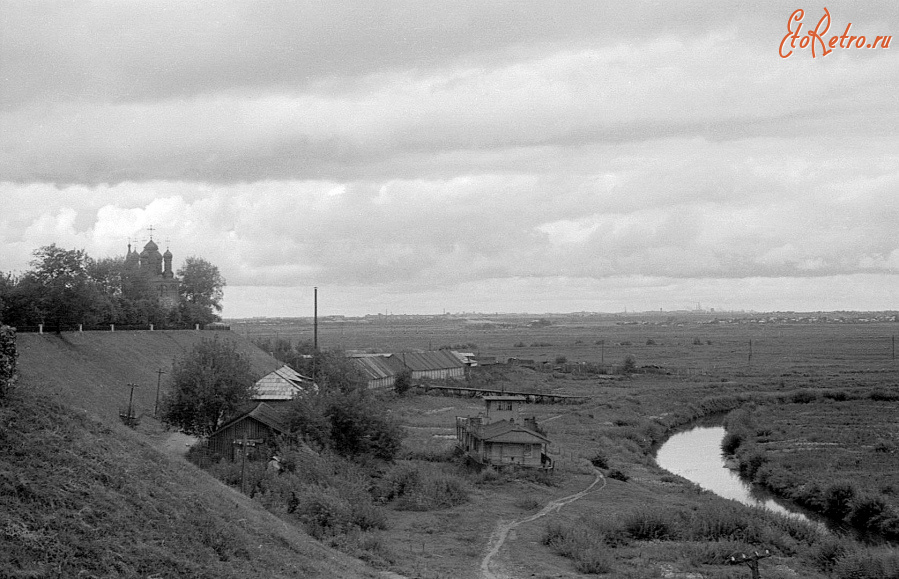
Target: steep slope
point(80, 498)
point(91, 370)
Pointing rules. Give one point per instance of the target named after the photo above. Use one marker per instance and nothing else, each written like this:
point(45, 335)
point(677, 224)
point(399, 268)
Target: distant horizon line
point(576, 313)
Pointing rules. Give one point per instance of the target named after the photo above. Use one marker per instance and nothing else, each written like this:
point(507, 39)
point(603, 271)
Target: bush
point(618, 475)
point(600, 460)
point(421, 487)
point(651, 525)
point(803, 396)
point(403, 382)
point(650, 342)
point(882, 395)
point(560, 359)
point(629, 366)
point(586, 549)
point(697, 342)
point(8, 357)
point(731, 442)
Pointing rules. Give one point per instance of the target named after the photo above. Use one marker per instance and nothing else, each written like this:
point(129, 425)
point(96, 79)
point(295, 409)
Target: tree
point(342, 414)
point(200, 291)
point(64, 291)
point(403, 382)
point(206, 386)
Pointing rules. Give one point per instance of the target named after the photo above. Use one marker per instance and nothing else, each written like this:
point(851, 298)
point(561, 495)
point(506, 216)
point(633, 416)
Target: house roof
point(285, 383)
point(506, 431)
point(261, 412)
point(509, 398)
point(424, 361)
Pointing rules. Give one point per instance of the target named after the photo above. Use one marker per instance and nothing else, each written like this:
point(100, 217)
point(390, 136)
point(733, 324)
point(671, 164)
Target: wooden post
point(159, 374)
point(750, 353)
point(243, 463)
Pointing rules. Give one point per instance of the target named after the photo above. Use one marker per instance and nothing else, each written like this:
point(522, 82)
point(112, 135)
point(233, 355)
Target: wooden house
point(501, 436)
point(255, 428)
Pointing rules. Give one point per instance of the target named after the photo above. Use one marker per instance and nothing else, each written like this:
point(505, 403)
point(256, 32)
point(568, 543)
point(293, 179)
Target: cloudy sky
point(420, 157)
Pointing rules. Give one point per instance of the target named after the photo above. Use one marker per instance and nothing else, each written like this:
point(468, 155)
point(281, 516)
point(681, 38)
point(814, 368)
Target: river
point(695, 455)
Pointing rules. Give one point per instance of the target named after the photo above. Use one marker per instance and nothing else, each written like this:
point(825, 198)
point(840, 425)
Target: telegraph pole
point(130, 417)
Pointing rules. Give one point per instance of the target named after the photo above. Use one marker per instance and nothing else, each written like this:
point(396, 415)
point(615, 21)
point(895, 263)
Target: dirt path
point(499, 535)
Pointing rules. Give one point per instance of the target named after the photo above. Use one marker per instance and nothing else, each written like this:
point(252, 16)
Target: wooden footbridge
point(536, 397)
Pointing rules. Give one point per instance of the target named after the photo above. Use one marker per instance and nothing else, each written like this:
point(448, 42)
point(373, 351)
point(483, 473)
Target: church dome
point(167, 254)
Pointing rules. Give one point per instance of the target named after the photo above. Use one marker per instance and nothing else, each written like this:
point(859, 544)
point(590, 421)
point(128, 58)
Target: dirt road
point(498, 538)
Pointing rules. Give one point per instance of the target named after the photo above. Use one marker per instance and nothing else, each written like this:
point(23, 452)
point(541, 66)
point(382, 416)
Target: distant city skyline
point(416, 157)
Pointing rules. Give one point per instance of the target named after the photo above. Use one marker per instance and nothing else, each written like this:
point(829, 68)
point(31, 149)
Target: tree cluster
point(65, 288)
point(8, 358)
point(207, 386)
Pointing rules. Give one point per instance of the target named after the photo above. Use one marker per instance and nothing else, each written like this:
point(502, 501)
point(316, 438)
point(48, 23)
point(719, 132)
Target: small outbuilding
point(501, 436)
point(255, 428)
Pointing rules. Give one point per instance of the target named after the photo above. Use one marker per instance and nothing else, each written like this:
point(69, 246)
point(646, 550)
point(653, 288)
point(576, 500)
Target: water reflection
point(696, 455)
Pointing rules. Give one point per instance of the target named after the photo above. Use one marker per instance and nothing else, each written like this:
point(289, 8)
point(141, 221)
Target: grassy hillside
point(90, 370)
point(85, 498)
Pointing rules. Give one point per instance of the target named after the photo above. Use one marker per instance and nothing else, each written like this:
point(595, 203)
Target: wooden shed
point(501, 436)
point(258, 427)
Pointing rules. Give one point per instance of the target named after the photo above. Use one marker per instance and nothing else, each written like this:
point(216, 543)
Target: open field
point(822, 349)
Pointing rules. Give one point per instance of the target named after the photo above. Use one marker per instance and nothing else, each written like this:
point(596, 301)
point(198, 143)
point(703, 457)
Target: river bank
point(830, 452)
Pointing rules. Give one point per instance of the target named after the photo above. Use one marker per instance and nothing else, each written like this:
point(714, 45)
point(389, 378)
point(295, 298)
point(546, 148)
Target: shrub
point(651, 525)
point(421, 487)
point(731, 441)
point(827, 552)
point(560, 359)
point(577, 543)
point(838, 500)
point(403, 382)
point(600, 460)
point(882, 395)
point(750, 464)
point(803, 396)
point(8, 356)
point(520, 345)
point(629, 366)
point(650, 342)
point(697, 342)
point(618, 475)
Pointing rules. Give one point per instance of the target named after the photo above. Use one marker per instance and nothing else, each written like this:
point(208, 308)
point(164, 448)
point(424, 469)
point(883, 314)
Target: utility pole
point(130, 417)
point(750, 353)
point(159, 374)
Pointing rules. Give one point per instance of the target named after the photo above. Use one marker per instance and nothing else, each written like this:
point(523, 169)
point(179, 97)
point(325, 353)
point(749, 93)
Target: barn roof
point(434, 360)
point(377, 367)
point(285, 383)
point(261, 412)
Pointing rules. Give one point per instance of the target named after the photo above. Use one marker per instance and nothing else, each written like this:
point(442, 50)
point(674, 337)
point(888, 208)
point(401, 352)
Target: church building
point(156, 269)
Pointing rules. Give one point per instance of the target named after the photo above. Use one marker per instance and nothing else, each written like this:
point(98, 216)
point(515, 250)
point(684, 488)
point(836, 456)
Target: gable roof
point(505, 431)
point(261, 412)
point(285, 383)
